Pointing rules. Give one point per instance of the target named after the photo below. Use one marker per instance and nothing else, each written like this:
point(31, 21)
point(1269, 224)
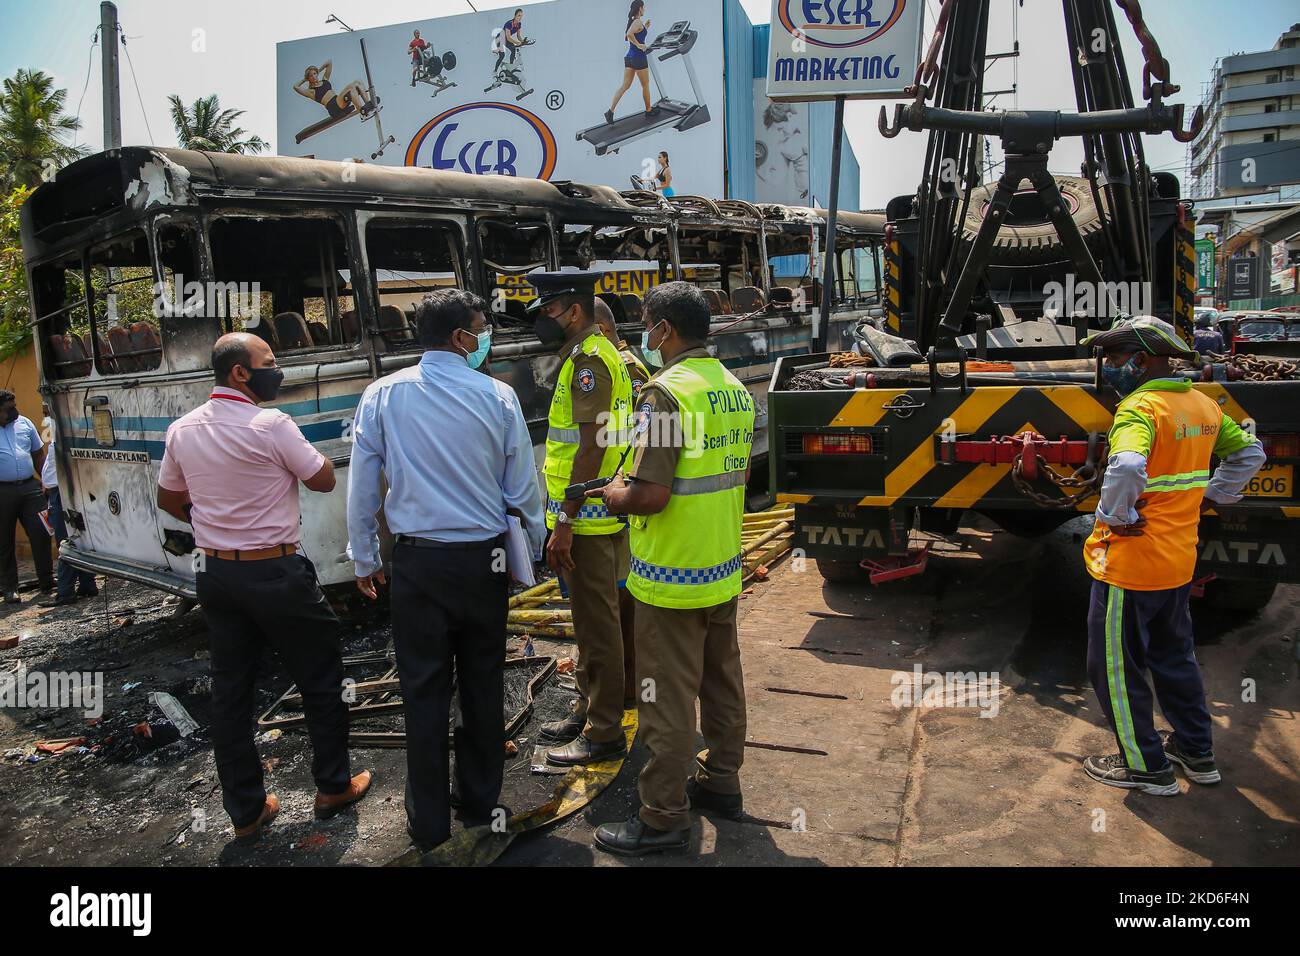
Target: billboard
point(825, 48)
point(1205, 265)
point(1243, 277)
point(781, 144)
point(560, 90)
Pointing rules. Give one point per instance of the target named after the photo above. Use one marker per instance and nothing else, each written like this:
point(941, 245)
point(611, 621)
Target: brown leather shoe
point(329, 804)
point(252, 832)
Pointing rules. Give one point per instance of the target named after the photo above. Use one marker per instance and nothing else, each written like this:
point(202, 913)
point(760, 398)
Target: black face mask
point(265, 382)
point(11, 416)
point(548, 329)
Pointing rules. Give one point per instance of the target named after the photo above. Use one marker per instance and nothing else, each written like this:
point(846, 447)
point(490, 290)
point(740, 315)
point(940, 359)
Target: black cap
point(549, 285)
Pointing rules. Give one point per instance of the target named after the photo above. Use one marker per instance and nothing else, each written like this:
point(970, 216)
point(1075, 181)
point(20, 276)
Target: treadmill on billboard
point(622, 94)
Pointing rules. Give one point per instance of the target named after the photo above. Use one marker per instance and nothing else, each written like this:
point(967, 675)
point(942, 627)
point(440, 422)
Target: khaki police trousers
point(682, 655)
point(601, 562)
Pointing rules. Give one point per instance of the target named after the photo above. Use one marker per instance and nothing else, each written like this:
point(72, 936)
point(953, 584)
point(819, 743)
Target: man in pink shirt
point(231, 469)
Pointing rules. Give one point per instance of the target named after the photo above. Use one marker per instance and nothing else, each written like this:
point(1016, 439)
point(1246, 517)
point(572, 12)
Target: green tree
point(15, 312)
point(33, 128)
point(208, 127)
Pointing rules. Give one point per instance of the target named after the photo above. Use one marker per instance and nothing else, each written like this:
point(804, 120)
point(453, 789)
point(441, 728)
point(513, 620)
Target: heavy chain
point(1253, 368)
point(1076, 489)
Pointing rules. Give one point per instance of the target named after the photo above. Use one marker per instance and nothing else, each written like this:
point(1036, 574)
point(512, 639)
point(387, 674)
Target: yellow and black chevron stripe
point(904, 467)
point(893, 286)
point(1185, 281)
point(907, 469)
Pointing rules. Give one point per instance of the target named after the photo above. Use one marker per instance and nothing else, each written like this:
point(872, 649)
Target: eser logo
point(838, 24)
point(498, 139)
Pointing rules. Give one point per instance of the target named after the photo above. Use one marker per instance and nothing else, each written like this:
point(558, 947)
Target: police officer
point(639, 374)
point(695, 425)
point(636, 369)
point(1142, 552)
point(232, 469)
point(589, 427)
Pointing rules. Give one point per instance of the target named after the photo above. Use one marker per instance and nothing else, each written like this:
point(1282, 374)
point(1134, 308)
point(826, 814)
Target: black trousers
point(23, 503)
point(70, 580)
point(278, 603)
point(449, 606)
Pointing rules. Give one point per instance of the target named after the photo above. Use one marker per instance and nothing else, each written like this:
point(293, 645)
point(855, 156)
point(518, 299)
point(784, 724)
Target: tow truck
point(973, 393)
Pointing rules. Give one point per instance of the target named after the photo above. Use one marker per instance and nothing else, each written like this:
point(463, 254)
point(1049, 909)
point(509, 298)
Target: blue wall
point(738, 79)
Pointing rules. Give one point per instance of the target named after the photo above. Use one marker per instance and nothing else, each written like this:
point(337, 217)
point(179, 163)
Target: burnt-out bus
point(139, 258)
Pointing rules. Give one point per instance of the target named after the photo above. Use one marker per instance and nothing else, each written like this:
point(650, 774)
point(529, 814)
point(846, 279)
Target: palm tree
point(208, 127)
point(32, 129)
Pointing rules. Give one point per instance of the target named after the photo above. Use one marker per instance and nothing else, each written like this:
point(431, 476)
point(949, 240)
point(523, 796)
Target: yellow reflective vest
point(688, 555)
point(563, 436)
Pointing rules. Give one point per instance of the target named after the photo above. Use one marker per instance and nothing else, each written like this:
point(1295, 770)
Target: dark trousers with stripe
point(1129, 634)
point(449, 617)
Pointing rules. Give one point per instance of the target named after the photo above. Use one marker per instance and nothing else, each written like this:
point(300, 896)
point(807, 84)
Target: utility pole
point(112, 90)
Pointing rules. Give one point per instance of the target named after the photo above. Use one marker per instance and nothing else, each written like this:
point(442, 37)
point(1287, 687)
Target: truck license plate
point(1272, 481)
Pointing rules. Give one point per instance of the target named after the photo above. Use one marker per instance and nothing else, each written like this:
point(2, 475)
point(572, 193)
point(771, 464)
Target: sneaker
point(11, 597)
point(1114, 772)
point(1196, 769)
point(609, 116)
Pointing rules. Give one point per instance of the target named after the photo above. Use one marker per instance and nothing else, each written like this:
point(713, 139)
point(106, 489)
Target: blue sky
point(240, 36)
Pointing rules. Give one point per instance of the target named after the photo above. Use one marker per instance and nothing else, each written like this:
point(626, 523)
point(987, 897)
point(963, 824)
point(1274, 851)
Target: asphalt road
point(841, 767)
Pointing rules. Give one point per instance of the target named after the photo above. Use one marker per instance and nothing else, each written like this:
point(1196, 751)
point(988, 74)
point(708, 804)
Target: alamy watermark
point(921, 688)
point(54, 689)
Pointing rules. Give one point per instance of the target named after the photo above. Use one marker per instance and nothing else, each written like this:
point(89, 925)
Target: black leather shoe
point(59, 601)
point(562, 731)
point(583, 750)
point(729, 805)
point(635, 838)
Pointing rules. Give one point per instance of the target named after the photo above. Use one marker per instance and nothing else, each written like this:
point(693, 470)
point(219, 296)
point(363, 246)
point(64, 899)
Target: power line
point(136, 83)
point(90, 56)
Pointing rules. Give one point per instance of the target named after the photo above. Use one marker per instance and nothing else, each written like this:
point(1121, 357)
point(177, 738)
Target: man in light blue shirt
point(454, 447)
point(22, 456)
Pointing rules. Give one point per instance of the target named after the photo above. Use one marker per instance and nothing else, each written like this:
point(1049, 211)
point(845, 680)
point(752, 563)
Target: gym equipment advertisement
point(559, 90)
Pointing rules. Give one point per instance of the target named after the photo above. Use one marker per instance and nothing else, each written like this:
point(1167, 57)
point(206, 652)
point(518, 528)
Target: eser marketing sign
point(826, 48)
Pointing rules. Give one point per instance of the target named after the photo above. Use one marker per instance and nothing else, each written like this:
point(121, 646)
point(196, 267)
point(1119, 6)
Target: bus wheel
point(1239, 595)
point(838, 572)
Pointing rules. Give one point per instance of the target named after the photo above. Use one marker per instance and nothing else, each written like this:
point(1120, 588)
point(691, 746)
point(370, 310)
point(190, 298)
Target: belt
point(20, 481)
point(261, 554)
point(449, 545)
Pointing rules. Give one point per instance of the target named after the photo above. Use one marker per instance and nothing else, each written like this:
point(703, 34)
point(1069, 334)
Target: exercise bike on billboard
point(509, 68)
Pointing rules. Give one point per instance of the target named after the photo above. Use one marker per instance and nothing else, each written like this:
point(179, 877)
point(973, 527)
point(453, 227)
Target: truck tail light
point(837, 444)
point(1279, 445)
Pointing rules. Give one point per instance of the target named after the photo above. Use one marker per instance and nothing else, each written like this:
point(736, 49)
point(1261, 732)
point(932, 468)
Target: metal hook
point(1198, 120)
point(886, 130)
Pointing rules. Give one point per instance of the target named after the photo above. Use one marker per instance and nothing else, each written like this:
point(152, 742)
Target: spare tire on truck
point(1027, 236)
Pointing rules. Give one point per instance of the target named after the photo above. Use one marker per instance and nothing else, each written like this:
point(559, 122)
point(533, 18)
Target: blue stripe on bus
point(314, 433)
point(138, 423)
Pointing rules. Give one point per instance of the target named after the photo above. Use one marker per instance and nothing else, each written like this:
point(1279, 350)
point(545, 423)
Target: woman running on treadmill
point(664, 178)
point(635, 63)
point(315, 85)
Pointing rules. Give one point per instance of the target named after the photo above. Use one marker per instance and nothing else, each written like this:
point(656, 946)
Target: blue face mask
point(475, 358)
point(653, 357)
point(1123, 379)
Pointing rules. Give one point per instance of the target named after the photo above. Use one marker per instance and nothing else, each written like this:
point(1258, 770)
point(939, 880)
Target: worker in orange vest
point(1142, 554)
